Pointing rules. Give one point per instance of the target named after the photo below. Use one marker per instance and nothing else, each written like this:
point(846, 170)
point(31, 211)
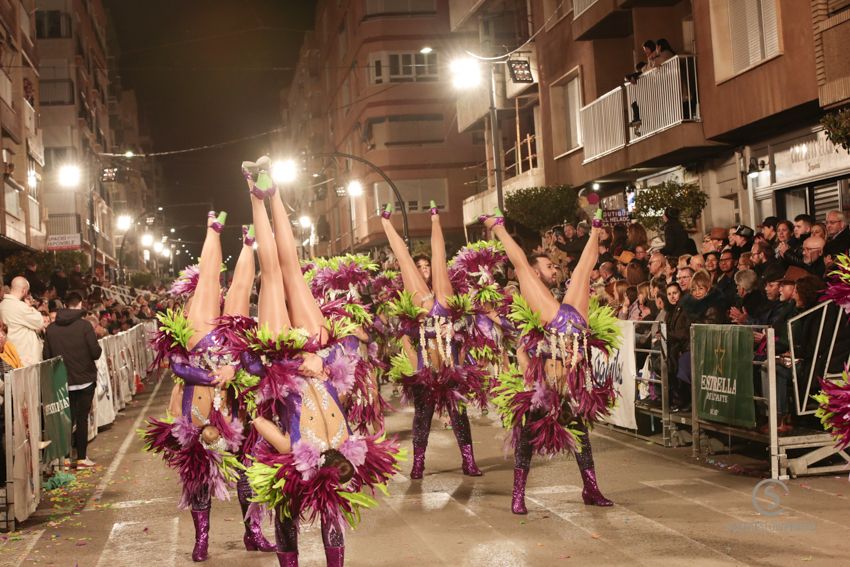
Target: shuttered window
point(754, 31)
point(826, 199)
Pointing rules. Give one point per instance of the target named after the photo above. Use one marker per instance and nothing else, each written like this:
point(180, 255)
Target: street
point(669, 511)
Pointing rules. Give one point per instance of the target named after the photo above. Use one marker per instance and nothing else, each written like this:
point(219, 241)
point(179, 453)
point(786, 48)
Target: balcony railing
point(522, 157)
point(663, 97)
point(581, 6)
point(659, 99)
point(603, 125)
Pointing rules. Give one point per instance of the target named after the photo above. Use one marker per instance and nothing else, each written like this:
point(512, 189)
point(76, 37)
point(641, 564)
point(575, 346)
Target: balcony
point(462, 12)
point(669, 129)
point(660, 99)
point(832, 42)
point(600, 19)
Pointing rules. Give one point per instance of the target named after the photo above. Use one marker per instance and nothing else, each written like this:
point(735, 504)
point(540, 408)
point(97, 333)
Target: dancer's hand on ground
point(224, 375)
point(313, 366)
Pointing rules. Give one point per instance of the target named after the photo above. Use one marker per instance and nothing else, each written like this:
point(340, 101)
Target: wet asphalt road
point(669, 510)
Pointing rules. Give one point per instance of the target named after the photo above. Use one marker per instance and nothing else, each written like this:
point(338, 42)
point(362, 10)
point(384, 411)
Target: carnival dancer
point(434, 322)
point(201, 436)
point(341, 286)
point(834, 397)
point(552, 402)
point(310, 464)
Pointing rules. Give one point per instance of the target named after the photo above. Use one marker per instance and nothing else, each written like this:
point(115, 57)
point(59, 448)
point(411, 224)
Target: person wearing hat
point(675, 236)
point(768, 230)
point(741, 240)
point(623, 260)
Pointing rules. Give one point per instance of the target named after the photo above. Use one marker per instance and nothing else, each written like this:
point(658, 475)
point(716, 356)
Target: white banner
point(26, 437)
point(63, 242)
point(620, 366)
point(104, 408)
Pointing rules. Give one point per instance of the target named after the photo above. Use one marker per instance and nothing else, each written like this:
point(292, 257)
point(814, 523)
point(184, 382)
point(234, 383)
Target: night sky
point(207, 71)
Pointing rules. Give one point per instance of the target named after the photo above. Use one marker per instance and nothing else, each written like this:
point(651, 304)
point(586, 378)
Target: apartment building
point(736, 110)
point(372, 81)
point(22, 224)
point(72, 43)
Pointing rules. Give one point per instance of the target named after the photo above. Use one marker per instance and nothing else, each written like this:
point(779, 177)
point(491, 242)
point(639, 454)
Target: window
point(13, 201)
point(400, 7)
point(417, 194)
point(403, 67)
point(60, 91)
point(407, 129)
point(566, 105)
point(51, 24)
point(754, 32)
point(743, 33)
point(56, 156)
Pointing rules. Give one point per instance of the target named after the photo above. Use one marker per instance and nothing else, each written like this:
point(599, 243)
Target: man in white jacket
point(23, 320)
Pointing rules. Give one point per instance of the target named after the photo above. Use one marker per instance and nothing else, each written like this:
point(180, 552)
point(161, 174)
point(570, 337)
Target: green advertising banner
point(723, 368)
point(56, 408)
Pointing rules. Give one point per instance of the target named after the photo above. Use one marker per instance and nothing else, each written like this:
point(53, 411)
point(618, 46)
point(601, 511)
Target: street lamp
point(285, 171)
point(466, 74)
point(157, 247)
point(70, 176)
point(147, 240)
point(124, 222)
point(354, 188)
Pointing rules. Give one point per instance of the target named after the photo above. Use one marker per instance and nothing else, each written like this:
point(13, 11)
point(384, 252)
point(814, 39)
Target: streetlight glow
point(129, 154)
point(124, 222)
point(157, 247)
point(70, 176)
point(466, 73)
point(355, 188)
point(173, 230)
point(426, 50)
point(166, 253)
point(596, 186)
point(285, 171)
point(305, 222)
point(147, 239)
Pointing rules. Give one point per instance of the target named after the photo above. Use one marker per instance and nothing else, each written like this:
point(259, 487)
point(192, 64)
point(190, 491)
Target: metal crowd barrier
point(37, 415)
point(809, 440)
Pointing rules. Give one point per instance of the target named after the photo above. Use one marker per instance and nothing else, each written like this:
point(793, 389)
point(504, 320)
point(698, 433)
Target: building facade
point(372, 82)
point(22, 225)
point(72, 43)
point(737, 109)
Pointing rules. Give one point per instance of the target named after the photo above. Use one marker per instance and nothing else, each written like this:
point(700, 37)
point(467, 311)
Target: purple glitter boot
point(591, 494)
point(253, 539)
point(434, 210)
point(201, 519)
point(287, 558)
point(463, 434)
point(334, 539)
point(518, 501)
point(388, 211)
point(423, 413)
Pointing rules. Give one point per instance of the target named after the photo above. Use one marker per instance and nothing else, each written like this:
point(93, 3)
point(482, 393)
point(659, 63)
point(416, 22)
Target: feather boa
point(184, 285)
point(834, 408)
point(448, 387)
point(171, 337)
point(542, 410)
point(299, 484)
point(200, 468)
point(233, 330)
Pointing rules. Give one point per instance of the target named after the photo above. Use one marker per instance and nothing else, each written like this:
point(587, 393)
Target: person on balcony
point(663, 53)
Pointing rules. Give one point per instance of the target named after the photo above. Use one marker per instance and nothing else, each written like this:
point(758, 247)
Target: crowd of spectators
point(739, 275)
point(28, 313)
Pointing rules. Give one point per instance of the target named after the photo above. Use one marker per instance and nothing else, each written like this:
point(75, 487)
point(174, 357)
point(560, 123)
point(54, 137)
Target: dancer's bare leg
point(206, 301)
point(303, 308)
point(272, 300)
point(410, 275)
point(238, 298)
point(440, 281)
point(534, 291)
point(578, 292)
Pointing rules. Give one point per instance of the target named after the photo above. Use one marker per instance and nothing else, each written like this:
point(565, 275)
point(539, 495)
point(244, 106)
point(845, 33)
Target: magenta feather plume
point(185, 284)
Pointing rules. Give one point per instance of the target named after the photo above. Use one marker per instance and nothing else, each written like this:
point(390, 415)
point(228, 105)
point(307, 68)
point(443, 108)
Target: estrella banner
point(723, 368)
